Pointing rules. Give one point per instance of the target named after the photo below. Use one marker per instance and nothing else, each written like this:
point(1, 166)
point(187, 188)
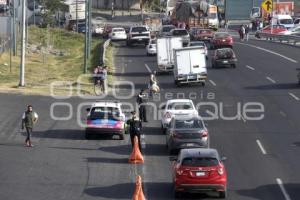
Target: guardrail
point(105, 45)
point(290, 39)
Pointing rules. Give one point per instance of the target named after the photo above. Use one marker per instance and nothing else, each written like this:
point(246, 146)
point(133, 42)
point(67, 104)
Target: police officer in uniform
point(135, 126)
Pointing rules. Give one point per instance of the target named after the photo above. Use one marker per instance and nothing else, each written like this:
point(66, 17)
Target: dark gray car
point(186, 133)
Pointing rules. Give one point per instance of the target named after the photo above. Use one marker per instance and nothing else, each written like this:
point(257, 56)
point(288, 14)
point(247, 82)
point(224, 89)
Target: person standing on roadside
point(135, 126)
point(247, 32)
point(29, 119)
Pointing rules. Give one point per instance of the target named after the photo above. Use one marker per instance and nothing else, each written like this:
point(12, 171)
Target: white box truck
point(190, 66)
point(165, 52)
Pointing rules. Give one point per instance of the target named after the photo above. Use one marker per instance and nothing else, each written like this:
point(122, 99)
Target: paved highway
point(263, 156)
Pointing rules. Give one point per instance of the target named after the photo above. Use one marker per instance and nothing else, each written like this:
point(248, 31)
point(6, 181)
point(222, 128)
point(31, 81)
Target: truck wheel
point(177, 83)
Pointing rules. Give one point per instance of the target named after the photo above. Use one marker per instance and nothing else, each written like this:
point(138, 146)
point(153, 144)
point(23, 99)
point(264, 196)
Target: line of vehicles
point(196, 168)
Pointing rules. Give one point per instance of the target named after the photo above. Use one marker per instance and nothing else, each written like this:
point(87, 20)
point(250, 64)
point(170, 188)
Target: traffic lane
point(229, 127)
point(61, 156)
point(284, 49)
point(269, 65)
point(273, 128)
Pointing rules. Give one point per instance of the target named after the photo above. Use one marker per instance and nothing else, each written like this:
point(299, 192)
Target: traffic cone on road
point(136, 156)
point(138, 193)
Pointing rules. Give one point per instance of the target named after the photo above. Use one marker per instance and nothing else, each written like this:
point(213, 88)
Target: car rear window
point(286, 21)
point(180, 32)
point(105, 113)
point(198, 44)
point(186, 124)
point(199, 162)
point(167, 28)
point(118, 30)
point(180, 106)
point(225, 53)
point(221, 35)
point(139, 29)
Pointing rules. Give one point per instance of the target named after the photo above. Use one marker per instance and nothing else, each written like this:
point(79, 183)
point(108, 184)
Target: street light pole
point(34, 12)
point(89, 28)
point(76, 16)
point(86, 38)
point(14, 29)
point(23, 40)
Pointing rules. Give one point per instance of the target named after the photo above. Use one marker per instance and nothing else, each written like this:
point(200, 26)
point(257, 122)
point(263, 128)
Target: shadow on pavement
point(281, 86)
point(157, 191)
point(69, 135)
point(108, 160)
point(272, 190)
point(132, 74)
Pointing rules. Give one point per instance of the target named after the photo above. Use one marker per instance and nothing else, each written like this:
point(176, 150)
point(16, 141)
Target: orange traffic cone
point(136, 156)
point(138, 193)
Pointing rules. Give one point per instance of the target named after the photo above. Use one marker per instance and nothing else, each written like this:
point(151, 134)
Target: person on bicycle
point(135, 126)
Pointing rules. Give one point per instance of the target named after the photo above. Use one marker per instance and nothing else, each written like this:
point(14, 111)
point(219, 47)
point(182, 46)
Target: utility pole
point(89, 28)
point(14, 29)
point(23, 40)
point(86, 38)
point(34, 12)
point(76, 16)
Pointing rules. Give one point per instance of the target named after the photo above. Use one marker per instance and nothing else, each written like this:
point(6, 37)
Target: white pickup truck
point(165, 52)
point(190, 66)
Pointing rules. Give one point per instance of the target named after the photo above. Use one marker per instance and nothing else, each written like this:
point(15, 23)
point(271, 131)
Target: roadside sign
point(267, 5)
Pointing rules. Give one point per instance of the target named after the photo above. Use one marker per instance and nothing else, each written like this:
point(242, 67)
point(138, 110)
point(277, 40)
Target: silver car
point(186, 132)
point(184, 34)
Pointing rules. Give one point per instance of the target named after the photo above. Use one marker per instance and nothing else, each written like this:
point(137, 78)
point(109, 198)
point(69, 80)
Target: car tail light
point(182, 172)
point(220, 171)
point(167, 115)
point(204, 133)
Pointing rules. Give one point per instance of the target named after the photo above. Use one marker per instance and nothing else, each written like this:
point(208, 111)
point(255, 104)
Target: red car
point(276, 29)
point(201, 34)
point(199, 170)
point(221, 39)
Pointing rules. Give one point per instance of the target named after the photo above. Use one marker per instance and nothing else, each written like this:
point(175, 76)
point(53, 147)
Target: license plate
point(191, 77)
point(140, 39)
point(224, 40)
point(200, 173)
point(190, 145)
point(225, 61)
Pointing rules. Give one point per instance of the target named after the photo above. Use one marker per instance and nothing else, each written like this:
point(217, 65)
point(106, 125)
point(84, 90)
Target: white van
point(285, 20)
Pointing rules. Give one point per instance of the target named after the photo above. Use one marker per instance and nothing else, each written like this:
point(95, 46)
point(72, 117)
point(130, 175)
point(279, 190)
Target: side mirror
point(223, 158)
point(173, 158)
point(162, 107)
point(88, 109)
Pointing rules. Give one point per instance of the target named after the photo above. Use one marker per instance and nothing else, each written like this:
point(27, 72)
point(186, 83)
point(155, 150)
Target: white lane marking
point(148, 68)
point(270, 79)
point(249, 67)
point(294, 96)
point(282, 113)
point(261, 147)
point(212, 82)
point(283, 190)
point(244, 120)
point(269, 51)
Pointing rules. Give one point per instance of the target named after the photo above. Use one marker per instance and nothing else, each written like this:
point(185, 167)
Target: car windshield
point(212, 16)
point(180, 32)
point(199, 162)
point(221, 35)
point(180, 106)
point(139, 29)
point(286, 21)
point(105, 113)
point(167, 28)
point(187, 124)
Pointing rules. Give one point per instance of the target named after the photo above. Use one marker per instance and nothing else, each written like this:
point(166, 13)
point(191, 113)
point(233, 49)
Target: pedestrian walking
point(135, 126)
point(142, 107)
point(29, 119)
point(242, 32)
